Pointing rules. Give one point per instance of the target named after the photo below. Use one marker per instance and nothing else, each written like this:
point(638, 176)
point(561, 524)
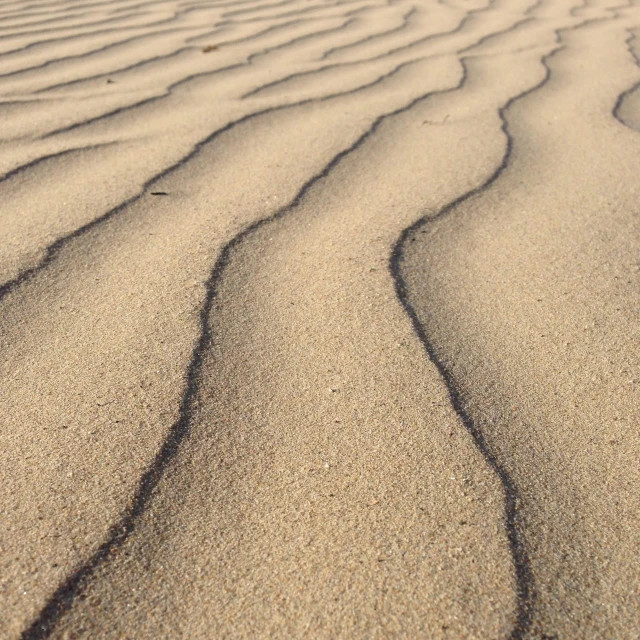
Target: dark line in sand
point(525, 585)
point(51, 156)
point(372, 36)
point(261, 7)
point(210, 73)
point(38, 32)
point(136, 65)
point(627, 92)
point(62, 599)
point(90, 34)
point(525, 590)
point(296, 12)
point(363, 61)
point(100, 50)
point(51, 251)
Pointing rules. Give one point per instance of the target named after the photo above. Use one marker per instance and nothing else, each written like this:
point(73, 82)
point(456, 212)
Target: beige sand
point(368, 367)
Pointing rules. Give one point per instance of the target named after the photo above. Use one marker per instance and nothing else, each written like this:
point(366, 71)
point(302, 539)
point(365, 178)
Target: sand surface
point(320, 319)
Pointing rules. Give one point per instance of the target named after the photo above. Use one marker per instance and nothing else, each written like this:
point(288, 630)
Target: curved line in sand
point(526, 592)
point(62, 599)
point(50, 156)
point(372, 36)
point(219, 27)
point(106, 47)
point(615, 112)
point(388, 53)
point(85, 25)
point(52, 250)
point(91, 34)
point(237, 65)
point(297, 12)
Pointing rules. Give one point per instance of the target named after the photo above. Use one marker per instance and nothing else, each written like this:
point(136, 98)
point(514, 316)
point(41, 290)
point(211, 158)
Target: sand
point(319, 319)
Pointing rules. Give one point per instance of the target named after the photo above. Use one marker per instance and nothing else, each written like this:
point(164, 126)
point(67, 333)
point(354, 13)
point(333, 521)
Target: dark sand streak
point(363, 61)
point(91, 34)
point(61, 601)
point(81, 56)
point(50, 156)
point(52, 250)
point(372, 36)
point(202, 74)
point(526, 591)
point(615, 112)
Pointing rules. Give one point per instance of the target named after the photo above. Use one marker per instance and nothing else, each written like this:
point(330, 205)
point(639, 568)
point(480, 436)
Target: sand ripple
point(319, 319)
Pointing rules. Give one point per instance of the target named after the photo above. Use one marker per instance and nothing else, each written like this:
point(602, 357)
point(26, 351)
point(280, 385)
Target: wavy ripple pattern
point(260, 263)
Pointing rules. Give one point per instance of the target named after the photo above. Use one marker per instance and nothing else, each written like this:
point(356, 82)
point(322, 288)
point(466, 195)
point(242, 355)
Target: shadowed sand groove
point(626, 109)
point(317, 319)
point(64, 596)
point(526, 588)
point(54, 248)
point(572, 616)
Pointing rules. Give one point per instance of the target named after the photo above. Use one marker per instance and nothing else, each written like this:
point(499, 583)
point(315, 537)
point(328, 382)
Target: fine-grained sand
point(319, 319)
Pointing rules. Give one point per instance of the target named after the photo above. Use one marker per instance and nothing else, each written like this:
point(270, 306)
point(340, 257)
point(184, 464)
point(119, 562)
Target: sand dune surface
point(319, 319)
